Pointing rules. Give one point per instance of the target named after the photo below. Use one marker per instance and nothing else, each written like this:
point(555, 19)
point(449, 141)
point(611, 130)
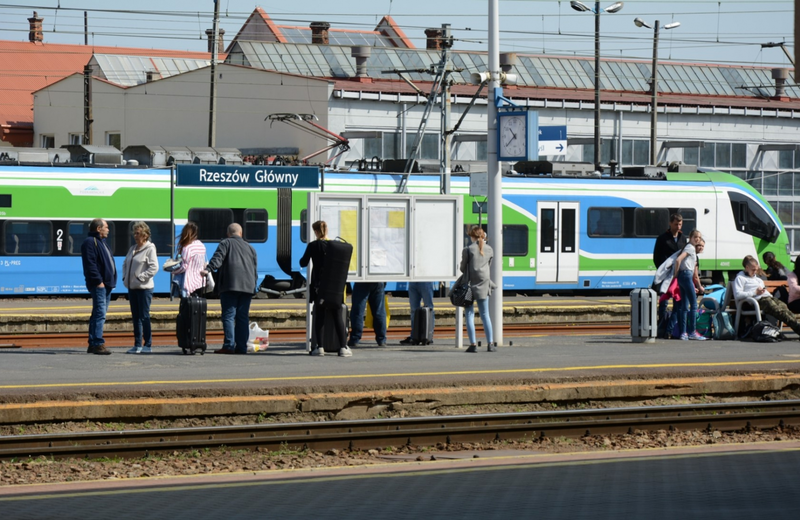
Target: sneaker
point(146, 350)
point(317, 352)
point(352, 343)
point(697, 337)
point(382, 344)
point(101, 350)
point(492, 347)
point(684, 337)
point(408, 341)
point(472, 349)
point(134, 350)
point(345, 352)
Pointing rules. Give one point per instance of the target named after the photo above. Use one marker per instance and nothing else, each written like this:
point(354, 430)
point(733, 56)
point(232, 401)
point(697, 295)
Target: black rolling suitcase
point(422, 331)
point(330, 340)
point(191, 325)
point(333, 276)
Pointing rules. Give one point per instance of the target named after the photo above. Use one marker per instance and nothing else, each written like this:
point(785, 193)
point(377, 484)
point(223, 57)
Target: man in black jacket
point(667, 243)
point(100, 272)
point(237, 264)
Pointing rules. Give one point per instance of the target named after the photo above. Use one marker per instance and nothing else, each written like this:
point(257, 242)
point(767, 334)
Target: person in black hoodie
point(101, 278)
point(668, 243)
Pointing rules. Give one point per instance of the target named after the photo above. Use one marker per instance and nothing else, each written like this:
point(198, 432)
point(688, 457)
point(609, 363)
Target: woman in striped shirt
point(193, 260)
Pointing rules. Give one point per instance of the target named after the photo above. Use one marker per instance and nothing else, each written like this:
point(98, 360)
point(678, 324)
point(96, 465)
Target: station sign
point(233, 176)
point(552, 140)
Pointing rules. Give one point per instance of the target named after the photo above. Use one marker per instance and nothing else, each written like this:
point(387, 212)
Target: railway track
point(427, 431)
point(123, 339)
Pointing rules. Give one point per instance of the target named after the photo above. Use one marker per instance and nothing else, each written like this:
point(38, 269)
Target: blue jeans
point(420, 291)
point(372, 292)
point(483, 309)
point(101, 296)
point(140, 311)
point(687, 323)
point(235, 320)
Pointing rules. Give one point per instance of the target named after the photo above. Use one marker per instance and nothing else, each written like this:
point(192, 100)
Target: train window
point(752, 218)
point(160, 235)
point(212, 223)
point(28, 237)
point(255, 225)
point(78, 231)
point(304, 225)
point(5, 200)
point(604, 222)
point(515, 240)
point(480, 207)
point(547, 231)
point(650, 222)
point(568, 222)
point(689, 219)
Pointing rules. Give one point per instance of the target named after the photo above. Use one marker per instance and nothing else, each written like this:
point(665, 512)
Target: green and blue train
point(560, 234)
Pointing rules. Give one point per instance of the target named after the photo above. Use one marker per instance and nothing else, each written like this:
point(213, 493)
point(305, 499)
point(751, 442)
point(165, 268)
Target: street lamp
point(613, 8)
point(654, 85)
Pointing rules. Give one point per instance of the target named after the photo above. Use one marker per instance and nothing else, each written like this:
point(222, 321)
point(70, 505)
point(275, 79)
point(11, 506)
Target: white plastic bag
point(258, 340)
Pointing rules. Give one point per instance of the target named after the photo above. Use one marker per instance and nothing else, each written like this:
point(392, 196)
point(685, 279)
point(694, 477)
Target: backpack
point(765, 332)
point(704, 322)
point(723, 329)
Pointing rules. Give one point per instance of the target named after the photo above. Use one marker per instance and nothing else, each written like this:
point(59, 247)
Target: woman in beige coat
point(475, 262)
point(138, 270)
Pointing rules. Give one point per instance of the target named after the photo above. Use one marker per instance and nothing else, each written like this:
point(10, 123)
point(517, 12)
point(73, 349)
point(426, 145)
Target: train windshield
point(752, 218)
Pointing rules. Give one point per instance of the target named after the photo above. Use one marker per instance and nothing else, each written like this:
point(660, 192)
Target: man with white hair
point(237, 264)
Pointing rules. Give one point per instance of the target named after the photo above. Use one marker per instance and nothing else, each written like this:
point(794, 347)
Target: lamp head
point(613, 8)
point(672, 25)
point(579, 6)
point(641, 23)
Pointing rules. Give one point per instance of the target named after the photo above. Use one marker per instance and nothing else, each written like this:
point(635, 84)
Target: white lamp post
point(654, 85)
point(613, 8)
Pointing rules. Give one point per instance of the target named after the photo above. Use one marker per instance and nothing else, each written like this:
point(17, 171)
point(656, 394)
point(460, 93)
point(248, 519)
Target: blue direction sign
point(552, 140)
point(231, 176)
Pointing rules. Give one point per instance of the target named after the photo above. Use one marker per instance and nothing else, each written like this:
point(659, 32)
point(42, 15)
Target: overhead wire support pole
point(212, 116)
point(495, 198)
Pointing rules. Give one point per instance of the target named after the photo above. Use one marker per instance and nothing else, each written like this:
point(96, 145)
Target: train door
point(557, 259)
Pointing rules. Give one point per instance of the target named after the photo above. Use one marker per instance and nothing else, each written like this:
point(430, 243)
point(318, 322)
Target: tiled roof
point(26, 67)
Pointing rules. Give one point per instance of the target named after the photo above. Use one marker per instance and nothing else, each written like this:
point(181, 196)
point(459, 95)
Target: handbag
point(461, 292)
point(208, 288)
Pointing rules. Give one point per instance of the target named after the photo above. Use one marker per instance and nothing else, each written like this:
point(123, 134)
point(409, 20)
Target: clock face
point(513, 138)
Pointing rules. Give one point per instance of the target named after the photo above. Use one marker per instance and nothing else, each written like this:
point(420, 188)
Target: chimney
point(148, 75)
point(434, 39)
point(319, 33)
point(220, 43)
point(780, 76)
point(361, 53)
point(35, 34)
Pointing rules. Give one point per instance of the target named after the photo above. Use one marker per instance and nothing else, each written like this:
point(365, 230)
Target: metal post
point(86, 28)
point(87, 104)
point(495, 199)
point(212, 119)
point(446, 136)
point(654, 102)
point(597, 86)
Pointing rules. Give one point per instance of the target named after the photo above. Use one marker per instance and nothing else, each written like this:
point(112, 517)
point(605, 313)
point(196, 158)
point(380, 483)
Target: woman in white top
point(138, 270)
point(684, 270)
point(193, 260)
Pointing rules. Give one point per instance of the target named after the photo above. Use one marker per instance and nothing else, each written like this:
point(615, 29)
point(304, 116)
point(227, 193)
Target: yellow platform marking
point(406, 374)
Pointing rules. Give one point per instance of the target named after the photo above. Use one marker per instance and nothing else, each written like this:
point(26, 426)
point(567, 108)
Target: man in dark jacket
point(101, 278)
point(237, 264)
point(667, 243)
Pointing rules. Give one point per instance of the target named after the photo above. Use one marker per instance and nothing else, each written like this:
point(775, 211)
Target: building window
point(75, 138)
point(786, 159)
point(606, 152)
point(114, 139)
point(717, 155)
point(481, 151)
point(47, 141)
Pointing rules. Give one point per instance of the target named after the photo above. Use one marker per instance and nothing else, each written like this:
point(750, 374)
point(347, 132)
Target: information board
point(395, 237)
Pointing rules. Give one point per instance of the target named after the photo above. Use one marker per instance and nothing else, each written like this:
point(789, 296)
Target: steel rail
point(121, 339)
point(425, 431)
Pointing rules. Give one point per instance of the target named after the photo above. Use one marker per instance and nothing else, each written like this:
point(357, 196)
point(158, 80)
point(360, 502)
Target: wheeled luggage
point(333, 276)
point(191, 325)
point(422, 331)
point(330, 340)
point(644, 304)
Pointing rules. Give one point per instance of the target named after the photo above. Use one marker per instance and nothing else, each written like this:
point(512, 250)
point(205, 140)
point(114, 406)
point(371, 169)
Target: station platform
point(68, 384)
